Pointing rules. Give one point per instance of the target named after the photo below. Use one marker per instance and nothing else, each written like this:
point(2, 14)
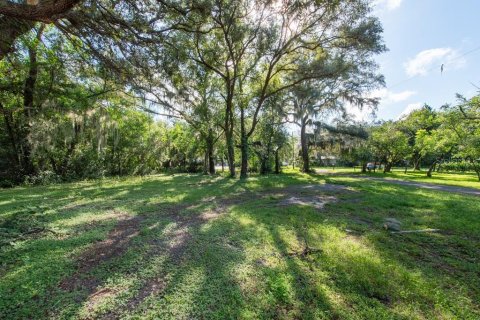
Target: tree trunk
point(70, 150)
point(28, 97)
point(229, 133)
point(243, 146)
point(11, 134)
point(277, 161)
point(416, 164)
point(304, 144)
point(430, 169)
point(230, 154)
point(16, 19)
point(210, 146)
point(11, 30)
point(387, 167)
point(364, 167)
point(416, 161)
point(205, 161)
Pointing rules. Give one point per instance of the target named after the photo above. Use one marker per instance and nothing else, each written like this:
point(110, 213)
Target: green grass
point(190, 246)
point(468, 179)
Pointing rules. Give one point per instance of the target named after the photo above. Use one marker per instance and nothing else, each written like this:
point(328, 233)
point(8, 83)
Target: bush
point(460, 166)
point(43, 178)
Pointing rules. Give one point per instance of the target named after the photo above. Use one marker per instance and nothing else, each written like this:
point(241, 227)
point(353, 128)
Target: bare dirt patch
point(318, 202)
point(115, 244)
point(315, 195)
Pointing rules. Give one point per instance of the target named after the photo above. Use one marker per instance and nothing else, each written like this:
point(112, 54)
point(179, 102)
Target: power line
point(435, 67)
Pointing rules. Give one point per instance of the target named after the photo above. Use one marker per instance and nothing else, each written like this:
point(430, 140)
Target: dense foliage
point(446, 139)
point(99, 88)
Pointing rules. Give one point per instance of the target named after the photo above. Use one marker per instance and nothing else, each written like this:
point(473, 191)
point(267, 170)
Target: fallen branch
point(416, 231)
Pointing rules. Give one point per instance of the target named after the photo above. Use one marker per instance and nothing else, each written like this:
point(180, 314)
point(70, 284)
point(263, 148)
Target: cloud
point(388, 96)
point(425, 60)
point(358, 114)
point(411, 107)
point(387, 4)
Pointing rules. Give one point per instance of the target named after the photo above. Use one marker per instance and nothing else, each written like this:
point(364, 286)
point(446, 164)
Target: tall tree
point(259, 49)
point(422, 119)
point(390, 144)
point(314, 99)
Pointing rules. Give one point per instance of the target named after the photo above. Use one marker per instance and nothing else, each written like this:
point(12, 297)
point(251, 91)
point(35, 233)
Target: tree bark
point(229, 134)
point(416, 164)
point(43, 11)
point(364, 167)
point(387, 167)
point(11, 30)
point(70, 150)
point(277, 161)
point(243, 146)
point(304, 145)
point(431, 168)
point(210, 163)
point(28, 106)
point(11, 134)
point(16, 19)
point(205, 161)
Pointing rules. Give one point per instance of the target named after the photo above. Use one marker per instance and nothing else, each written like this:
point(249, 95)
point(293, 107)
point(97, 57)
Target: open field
point(191, 246)
point(468, 179)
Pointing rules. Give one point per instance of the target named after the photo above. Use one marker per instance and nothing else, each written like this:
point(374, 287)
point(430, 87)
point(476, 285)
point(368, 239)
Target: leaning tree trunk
point(416, 161)
point(11, 30)
point(304, 145)
point(431, 168)
point(416, 166)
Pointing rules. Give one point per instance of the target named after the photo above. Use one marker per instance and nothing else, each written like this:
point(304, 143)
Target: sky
point(421, 35)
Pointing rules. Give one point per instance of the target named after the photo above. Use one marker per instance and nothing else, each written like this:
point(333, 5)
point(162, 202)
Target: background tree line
point(448, 139)
point(92, 88)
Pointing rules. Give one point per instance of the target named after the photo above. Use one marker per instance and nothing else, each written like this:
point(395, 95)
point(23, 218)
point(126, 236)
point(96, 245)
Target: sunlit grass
point(249, 262)
point(467, 179)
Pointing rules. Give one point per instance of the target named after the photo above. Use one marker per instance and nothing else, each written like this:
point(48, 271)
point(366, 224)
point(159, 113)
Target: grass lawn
point(469, 179)
point(281, 246)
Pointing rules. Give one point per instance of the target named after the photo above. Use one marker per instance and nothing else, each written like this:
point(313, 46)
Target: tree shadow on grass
point(368, 270)
point(152, 239)
point(185, 260)
point(445, 259)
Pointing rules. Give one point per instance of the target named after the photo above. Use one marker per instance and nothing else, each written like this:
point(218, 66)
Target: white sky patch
point(387, 4)
point(388, 97)
point(411, 107)
point(358, 114)
point(427, 60)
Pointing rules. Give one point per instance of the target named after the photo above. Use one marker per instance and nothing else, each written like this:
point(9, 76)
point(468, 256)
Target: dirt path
point(422, 185)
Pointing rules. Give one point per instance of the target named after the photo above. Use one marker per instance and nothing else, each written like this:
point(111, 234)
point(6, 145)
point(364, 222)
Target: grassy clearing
point(468, 179)
point(191, 246)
